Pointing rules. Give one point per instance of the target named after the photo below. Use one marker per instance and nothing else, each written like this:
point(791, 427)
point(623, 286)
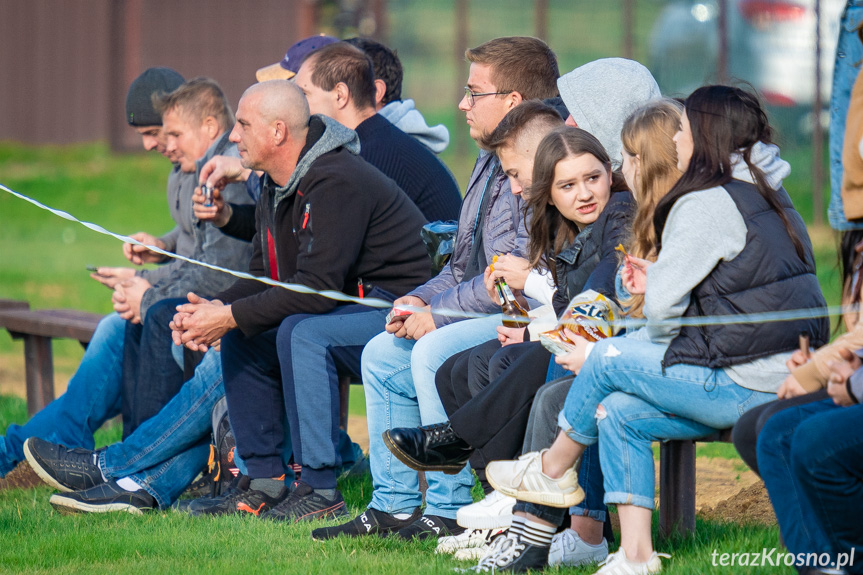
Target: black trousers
point(151, 376)
point(748, 427)
point(488, 392)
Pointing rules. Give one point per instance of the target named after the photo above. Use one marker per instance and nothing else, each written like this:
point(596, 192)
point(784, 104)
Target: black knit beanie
point(139, 103)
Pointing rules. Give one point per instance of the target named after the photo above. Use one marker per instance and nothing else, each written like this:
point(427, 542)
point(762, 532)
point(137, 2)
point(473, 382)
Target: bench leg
point(677, 487)
point(344, 396)
point(39, 369)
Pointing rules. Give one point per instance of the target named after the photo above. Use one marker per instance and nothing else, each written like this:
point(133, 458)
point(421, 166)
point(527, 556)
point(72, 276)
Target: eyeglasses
point(472, 96)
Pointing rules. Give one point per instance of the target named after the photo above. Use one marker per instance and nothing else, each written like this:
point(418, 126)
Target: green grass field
point(42, 260)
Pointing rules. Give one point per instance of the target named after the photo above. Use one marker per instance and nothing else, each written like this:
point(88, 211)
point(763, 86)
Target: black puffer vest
point(767, 276)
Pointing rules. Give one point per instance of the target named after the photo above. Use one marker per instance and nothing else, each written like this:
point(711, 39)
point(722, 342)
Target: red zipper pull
point(306, 216)
point(360, 288)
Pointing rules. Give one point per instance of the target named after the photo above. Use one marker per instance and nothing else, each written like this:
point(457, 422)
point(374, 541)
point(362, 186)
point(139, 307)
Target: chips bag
point(590, 315)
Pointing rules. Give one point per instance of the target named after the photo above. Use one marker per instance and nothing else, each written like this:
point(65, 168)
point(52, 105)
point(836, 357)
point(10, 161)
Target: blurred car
point(771, 45)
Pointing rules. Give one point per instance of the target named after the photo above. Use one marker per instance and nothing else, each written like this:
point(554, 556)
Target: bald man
point(317, 226)
point(328, 220)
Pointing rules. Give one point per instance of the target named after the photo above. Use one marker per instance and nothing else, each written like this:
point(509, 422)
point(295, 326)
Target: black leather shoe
point(429, 448)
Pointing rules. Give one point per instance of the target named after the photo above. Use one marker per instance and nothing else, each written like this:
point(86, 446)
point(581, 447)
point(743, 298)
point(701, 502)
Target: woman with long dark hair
point(728, 241)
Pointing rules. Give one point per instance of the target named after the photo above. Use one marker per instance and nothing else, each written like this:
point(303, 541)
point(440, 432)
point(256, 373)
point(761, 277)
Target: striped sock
point(517, 527)
point(537, 533)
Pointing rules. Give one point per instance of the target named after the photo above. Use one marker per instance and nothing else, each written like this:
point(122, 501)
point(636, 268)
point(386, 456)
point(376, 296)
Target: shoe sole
point(43, 475)
point(335, 512)
point(67, 505)
point(488, 522)
point(541, 497)
point(413, 463)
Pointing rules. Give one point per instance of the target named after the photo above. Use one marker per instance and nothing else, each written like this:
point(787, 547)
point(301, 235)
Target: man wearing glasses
point(398, 366)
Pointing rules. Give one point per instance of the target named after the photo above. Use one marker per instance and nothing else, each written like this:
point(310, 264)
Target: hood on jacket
point(766, 158)
point(324, 135)
point(601, 94)
point(404, 115)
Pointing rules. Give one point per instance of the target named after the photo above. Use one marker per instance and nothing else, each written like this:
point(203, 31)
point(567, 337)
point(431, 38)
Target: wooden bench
point(677, 483)
point(37, 328)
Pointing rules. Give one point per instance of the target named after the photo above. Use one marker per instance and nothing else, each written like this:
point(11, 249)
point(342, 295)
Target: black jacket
point(591, 262)
point(345, 222)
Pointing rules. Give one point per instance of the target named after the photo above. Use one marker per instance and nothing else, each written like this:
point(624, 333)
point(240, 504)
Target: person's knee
point(376, 351)
point(287, 329)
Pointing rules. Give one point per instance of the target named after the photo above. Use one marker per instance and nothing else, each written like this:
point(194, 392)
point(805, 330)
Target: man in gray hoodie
point(600, 95)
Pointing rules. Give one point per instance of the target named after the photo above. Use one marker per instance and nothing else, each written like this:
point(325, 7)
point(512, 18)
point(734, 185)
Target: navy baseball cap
point(290, 64)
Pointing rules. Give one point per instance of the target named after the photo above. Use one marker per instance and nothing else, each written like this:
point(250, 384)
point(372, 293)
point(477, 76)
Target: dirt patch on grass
point(749, 505)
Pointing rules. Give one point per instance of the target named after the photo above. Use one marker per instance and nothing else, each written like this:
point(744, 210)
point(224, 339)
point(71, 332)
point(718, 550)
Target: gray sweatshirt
point(702, 229)
point(602, 94)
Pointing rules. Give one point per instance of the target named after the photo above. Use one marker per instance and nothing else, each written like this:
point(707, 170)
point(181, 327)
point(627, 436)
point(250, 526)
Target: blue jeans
point(827, 460)
point(399, 379)
point(809, 457)
point(643, 403)
point(849, 53)
point(92, 397)
point(314, 350)
point(166, 452)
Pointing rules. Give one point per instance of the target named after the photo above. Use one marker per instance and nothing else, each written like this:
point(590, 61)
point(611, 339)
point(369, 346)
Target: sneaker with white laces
point(524, 480)
point(512, 553)
point(617, 564)
point(567, 548)
point(494, 511)
point(474, 540)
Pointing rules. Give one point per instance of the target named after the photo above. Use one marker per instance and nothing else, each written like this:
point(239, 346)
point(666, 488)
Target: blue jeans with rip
point(849, 53)
point(166, 452)
point(92, 397)
point(810, 459)
point(645, 402)
point(399, 380)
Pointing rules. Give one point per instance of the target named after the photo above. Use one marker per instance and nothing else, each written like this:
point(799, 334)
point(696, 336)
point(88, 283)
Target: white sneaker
point(567, 548)
point(488, 561)
point(494, 511)
point(618, 564)
point(524, 480)
point(471, 539)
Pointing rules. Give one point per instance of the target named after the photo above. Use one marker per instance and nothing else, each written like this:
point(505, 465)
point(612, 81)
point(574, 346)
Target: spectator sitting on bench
point(108, 339)
point(197, 120)
point(711, 254)
point(343, 233)
point(811, 458)
point(388, 97)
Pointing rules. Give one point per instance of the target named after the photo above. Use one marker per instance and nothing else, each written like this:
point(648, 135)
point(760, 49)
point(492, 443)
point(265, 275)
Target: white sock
point(401, 516)
point(128, 484)
point(96, 463)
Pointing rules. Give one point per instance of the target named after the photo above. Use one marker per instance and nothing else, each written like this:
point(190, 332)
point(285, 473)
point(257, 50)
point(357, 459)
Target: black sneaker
point(243, 500)
point(369, 522)
point(512, 553)
point(430, 526)
point(63, 468)
point(429, 448)
point(304, 505)
point(188, 505)
point(103, 498)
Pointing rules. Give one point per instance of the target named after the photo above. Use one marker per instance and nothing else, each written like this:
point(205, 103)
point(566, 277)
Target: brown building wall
point(65, 65)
